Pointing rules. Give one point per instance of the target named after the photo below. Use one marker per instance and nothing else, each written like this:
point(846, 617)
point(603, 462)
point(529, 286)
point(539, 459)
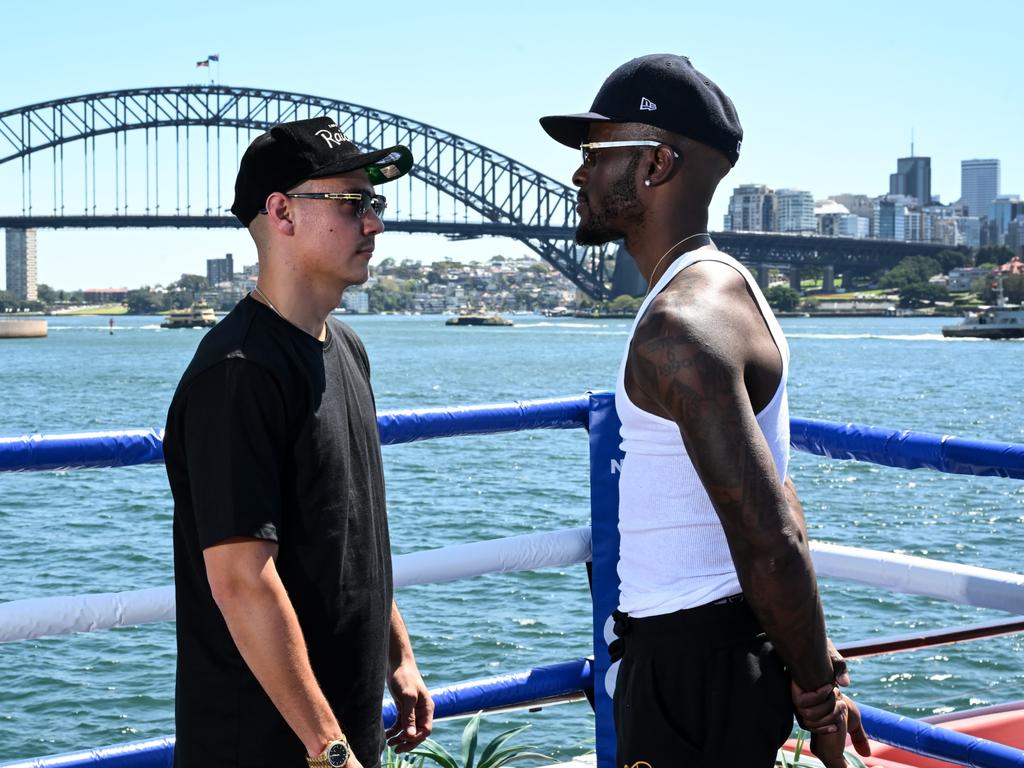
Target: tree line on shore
point(910, 279)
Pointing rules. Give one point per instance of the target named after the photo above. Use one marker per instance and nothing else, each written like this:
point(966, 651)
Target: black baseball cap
point(663, 90)
point(290, 153)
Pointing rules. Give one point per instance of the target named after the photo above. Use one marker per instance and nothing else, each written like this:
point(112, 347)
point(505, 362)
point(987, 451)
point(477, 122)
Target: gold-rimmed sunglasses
point(365, 201)
point(589, 150)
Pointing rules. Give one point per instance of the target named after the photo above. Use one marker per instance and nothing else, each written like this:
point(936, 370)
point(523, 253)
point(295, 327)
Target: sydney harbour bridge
point(167, 156)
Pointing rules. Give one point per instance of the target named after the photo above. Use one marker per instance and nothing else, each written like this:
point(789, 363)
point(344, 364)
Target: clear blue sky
point(828, 94)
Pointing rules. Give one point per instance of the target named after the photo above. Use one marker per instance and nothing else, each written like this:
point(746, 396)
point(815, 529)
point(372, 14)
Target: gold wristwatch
point(335, 755)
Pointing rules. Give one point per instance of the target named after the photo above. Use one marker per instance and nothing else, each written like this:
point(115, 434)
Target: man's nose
point(580, 176)
point(372, 223)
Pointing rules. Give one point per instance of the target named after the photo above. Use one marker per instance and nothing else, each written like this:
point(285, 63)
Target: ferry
point(987, 738)
point(479, 318)
point(1001, 321)
point(199, 315)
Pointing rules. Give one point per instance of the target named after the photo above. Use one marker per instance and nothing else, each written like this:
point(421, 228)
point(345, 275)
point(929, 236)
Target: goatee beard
point(590, 234)
point(620, 205)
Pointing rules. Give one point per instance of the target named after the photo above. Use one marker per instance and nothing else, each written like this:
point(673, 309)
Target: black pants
point(699, 687)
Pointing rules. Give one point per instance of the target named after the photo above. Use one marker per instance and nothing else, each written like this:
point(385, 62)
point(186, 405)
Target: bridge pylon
point(626, 278)
point(21, 264)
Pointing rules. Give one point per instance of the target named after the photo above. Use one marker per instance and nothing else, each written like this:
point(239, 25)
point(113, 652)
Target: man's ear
point(279, 213)
point(663, 164)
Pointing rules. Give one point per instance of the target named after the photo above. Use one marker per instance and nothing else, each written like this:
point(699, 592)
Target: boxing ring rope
point(970, 585)
point(36, 617)
point(43, 616)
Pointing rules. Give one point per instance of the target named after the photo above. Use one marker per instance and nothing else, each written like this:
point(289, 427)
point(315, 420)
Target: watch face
point(337, 755)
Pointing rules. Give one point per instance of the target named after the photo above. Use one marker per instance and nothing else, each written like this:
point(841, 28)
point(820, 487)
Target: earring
point(647, 182)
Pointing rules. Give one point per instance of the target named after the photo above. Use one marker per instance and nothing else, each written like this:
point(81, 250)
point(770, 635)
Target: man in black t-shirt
point(287, 627)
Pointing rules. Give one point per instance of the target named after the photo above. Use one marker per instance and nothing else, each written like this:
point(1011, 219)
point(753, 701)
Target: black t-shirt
point(273, 435)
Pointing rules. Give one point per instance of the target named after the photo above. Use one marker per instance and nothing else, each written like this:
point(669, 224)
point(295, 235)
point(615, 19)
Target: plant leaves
point(497, 742)
point(431, 750)
point(469, 739)
point(801, 735)
point(509, 755)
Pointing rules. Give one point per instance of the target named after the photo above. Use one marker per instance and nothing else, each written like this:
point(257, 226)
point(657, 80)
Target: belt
point(731, 611)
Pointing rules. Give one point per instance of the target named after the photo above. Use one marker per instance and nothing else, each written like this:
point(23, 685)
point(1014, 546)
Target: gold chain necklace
point(650, 283)
point(269, 303)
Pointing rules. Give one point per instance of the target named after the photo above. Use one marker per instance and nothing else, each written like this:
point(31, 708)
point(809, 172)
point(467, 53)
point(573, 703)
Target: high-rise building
point(835, 221)
point(794, 211)
point(979, 185)
point(858, 205)
point(1003, 210)
point(220, 270)
point(1015, 235)
point(889, 217)
point(752, 209)
point(913, 178)
point(970, 231)
point(21, 264)
point(944, 224)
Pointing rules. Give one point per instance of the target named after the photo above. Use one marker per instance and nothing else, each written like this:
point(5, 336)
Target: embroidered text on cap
point(333, 138)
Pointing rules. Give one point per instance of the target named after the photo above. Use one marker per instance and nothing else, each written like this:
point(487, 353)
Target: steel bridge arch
point(494, 185)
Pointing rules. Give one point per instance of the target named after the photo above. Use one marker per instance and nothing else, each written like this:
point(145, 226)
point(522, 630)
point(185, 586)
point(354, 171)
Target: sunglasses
point(589, 151)
point(364, 201)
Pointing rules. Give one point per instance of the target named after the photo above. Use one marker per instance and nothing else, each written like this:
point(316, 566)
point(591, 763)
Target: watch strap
point(323, 759)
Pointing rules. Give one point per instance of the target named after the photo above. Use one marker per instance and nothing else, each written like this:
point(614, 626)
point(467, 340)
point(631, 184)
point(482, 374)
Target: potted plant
point(494, 755)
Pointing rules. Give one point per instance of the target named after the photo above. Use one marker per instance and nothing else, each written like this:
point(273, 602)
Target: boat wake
point(876, 336)
point(603, 329)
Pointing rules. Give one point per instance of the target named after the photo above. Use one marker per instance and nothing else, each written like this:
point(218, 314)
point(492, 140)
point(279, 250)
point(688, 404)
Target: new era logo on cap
point(646, 105)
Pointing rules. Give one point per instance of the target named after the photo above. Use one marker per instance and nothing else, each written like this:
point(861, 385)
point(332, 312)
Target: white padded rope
point(45, 616)
point(963, 584)
point(909, 575)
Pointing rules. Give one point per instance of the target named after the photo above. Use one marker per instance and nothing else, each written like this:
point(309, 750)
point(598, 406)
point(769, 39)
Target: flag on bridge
point(214, 57)
point(203, 63)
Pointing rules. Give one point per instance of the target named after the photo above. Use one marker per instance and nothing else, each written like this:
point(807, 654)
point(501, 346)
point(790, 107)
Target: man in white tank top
point(719, 603)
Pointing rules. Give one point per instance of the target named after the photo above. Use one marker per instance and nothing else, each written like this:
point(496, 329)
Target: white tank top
point(673, 553)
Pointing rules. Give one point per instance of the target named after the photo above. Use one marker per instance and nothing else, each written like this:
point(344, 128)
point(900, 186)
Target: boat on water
point(479, 318)
point(199, 315)
point(989, 738)
point(1000, 321)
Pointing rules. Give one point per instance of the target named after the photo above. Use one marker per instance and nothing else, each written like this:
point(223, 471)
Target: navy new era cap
point(663, 90)
point(290, 153)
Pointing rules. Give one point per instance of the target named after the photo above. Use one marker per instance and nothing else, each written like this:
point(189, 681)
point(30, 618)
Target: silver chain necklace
point(650, 283)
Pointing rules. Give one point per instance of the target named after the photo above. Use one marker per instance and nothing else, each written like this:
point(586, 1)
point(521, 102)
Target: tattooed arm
point(696, 358)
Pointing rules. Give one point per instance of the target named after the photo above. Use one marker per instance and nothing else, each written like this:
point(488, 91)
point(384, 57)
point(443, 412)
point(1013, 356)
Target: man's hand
point(856, 730)
point(829, 749)
point(839, 667)
point(836, 717)
point(816, 709)
point(415, 708)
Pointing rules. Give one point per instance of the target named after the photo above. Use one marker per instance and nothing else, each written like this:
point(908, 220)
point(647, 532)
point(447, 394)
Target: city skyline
point(821, 109)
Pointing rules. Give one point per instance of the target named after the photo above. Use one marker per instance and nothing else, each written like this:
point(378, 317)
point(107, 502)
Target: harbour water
point(109, 530)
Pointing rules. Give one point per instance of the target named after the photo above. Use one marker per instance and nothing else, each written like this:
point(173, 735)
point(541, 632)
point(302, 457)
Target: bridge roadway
point(761, 248)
